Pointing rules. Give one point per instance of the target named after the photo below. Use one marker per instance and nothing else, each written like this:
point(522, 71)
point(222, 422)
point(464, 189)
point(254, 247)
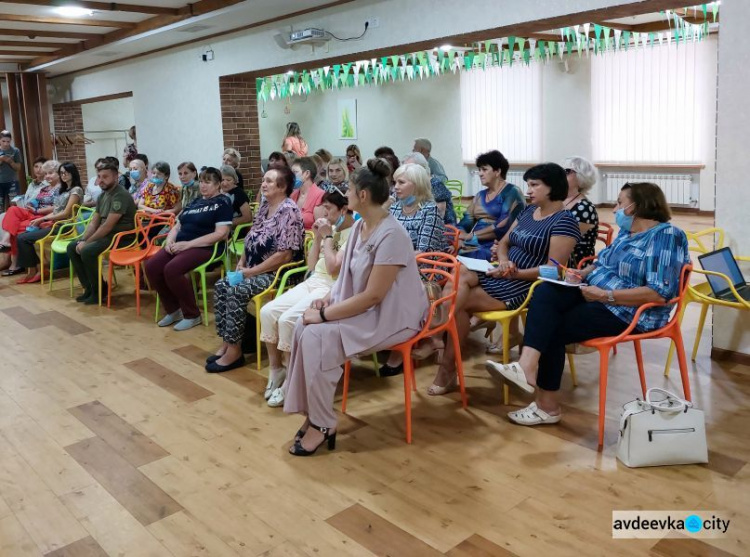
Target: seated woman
point(190, 190)
point(642, 265)
point(337, 175)
point(543, 232)
point(307, 195)
point(39, 197)
point(581, 178)
point(376, 302)
point(138, 176)
point(278, 317)
point(241, 212)
point(493, 210)
point(275, 238)
point(440, 193)
point(353, 158)
point(189, 244)
point(25, 231)
point(160, 194)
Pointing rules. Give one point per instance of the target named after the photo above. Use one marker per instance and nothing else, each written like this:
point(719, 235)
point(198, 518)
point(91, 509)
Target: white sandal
point(511, 372)
point(533, 415)
point(276, 378)
point(277, 398)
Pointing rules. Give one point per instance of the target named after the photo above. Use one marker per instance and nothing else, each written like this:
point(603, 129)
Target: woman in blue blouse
point(544, 231)
point(642, 265)
point(493, 210)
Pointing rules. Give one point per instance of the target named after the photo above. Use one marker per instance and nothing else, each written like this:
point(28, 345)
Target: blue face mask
point(622, 220)
point(135, 175)
point(297, 183)
point(340, 221)
point(188, 183)
point(157, 181)
point(409, 201)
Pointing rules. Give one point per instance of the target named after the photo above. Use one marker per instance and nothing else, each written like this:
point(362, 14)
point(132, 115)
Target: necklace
point(569, 204)
point(492, 195)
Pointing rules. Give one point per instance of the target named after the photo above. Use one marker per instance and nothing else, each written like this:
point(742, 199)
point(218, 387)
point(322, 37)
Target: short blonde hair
point(340, 162)
point(234, 153)
point(419, 177)
point(585, 172)
point(50, 166)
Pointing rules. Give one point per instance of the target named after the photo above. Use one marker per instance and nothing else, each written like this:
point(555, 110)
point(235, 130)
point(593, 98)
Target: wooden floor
point(114, 441)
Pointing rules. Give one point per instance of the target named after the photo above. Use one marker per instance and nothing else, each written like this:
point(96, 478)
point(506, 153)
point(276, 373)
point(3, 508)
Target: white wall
point(176, 95)
point(732, 328)
point(393, 114)
point(106, 123)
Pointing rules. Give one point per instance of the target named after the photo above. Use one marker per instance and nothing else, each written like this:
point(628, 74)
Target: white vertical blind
point(648, 104)
point(501, 108)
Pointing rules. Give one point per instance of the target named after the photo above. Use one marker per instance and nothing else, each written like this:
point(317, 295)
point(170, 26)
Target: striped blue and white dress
point(529, 247)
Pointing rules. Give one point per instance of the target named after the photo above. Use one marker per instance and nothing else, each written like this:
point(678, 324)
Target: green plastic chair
point(67, 233)
point(456, 187)
point(236, 246)
point(216, 256)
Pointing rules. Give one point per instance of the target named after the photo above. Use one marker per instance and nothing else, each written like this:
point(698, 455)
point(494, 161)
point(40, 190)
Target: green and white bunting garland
point(577, 40)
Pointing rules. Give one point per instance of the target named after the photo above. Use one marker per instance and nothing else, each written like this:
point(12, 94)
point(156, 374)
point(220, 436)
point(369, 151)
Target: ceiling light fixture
point(445, 47)
point(73, 11)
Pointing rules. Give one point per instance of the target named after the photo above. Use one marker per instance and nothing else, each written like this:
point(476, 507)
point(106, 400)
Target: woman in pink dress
point(377, 302)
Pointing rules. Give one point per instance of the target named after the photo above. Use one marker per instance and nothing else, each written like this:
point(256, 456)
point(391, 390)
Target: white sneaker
point(277, 398)
point(276, 378)
point(533, 415)
point(167, 320)
point(186, 324)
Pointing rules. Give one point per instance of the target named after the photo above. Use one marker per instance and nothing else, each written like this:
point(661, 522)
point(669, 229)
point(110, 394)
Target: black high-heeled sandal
point(298, 450)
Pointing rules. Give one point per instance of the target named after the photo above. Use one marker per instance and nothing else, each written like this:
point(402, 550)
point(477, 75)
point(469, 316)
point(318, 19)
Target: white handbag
point(661, 432)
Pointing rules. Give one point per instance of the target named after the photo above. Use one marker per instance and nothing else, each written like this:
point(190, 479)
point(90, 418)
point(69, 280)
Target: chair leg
point(41, 263)
point(99, 278)
point(205, 299)
point(572, 365)
point(110, 272)
point(506, 358)
point(408, 371)
point(376, 364)
point(345, 393)
point(258, 343)
point(137, 269)
point(156, 313)
point(603, 372)
point(51, 265)
point(453, 334)
point(701, 323)
point(641, 371)
point(677, 338)
point(257, 336)
point(70, 279)
point(670, 354)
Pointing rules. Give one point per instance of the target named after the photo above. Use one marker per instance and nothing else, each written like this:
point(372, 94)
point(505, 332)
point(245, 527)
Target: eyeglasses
point(570, 171)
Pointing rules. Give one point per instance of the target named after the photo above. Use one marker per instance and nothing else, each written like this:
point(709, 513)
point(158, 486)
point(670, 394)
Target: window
point(501, 108)
point(648, 103)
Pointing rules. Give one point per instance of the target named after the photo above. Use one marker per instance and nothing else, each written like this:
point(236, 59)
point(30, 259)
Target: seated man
point(115, 212)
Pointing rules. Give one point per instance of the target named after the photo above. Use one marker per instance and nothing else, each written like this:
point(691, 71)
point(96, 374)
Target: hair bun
point(379, 167)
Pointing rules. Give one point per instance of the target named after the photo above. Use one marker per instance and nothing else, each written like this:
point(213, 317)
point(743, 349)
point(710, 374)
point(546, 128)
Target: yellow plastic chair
point(700, 242)
point(504, 318)
point(67, 232)
point(42, 242)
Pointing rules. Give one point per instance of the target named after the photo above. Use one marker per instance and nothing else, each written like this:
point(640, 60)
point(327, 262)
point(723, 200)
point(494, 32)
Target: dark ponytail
point(373, 178)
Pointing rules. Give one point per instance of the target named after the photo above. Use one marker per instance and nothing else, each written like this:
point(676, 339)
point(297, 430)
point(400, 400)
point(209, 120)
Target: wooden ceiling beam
point(35, 44)
point(56, 34)
point(31, 53)
point(150, 24)
point(104, 6)
point(67, 21)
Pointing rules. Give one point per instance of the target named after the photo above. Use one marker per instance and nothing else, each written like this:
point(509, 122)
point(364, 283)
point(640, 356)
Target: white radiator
point(678, 188)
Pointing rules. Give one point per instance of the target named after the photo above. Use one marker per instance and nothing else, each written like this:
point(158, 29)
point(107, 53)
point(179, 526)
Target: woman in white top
point(278, 317)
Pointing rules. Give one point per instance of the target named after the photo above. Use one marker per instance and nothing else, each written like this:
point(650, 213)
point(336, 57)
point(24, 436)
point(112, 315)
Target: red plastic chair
point(135, 253)
point(671, 330)
point(452, 238)
point(434, 267)
point(606, 233)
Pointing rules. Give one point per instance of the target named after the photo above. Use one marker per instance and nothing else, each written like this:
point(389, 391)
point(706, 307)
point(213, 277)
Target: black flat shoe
point(12, 272)
point(390, 371)
point(298, 450)
point(212, 358)
point(4, 248)
point(213, 367)
point(84, 296)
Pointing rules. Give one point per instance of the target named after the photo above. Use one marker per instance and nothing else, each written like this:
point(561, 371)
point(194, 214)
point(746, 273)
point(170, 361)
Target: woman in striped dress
point(542, 232)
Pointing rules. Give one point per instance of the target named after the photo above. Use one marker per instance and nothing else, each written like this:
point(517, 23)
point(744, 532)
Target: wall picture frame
point(347, 119)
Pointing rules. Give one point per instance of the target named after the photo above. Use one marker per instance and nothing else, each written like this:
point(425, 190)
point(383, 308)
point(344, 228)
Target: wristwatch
point(610, 296)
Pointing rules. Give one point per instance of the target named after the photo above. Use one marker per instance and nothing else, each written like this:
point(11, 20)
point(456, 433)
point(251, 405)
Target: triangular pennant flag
point(618, 34)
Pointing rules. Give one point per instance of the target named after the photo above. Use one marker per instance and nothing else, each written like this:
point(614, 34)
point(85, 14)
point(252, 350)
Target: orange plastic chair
point(452, 237)
point(137, 251)
point(671, 331)
point(433, 267)
point(606, 233)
